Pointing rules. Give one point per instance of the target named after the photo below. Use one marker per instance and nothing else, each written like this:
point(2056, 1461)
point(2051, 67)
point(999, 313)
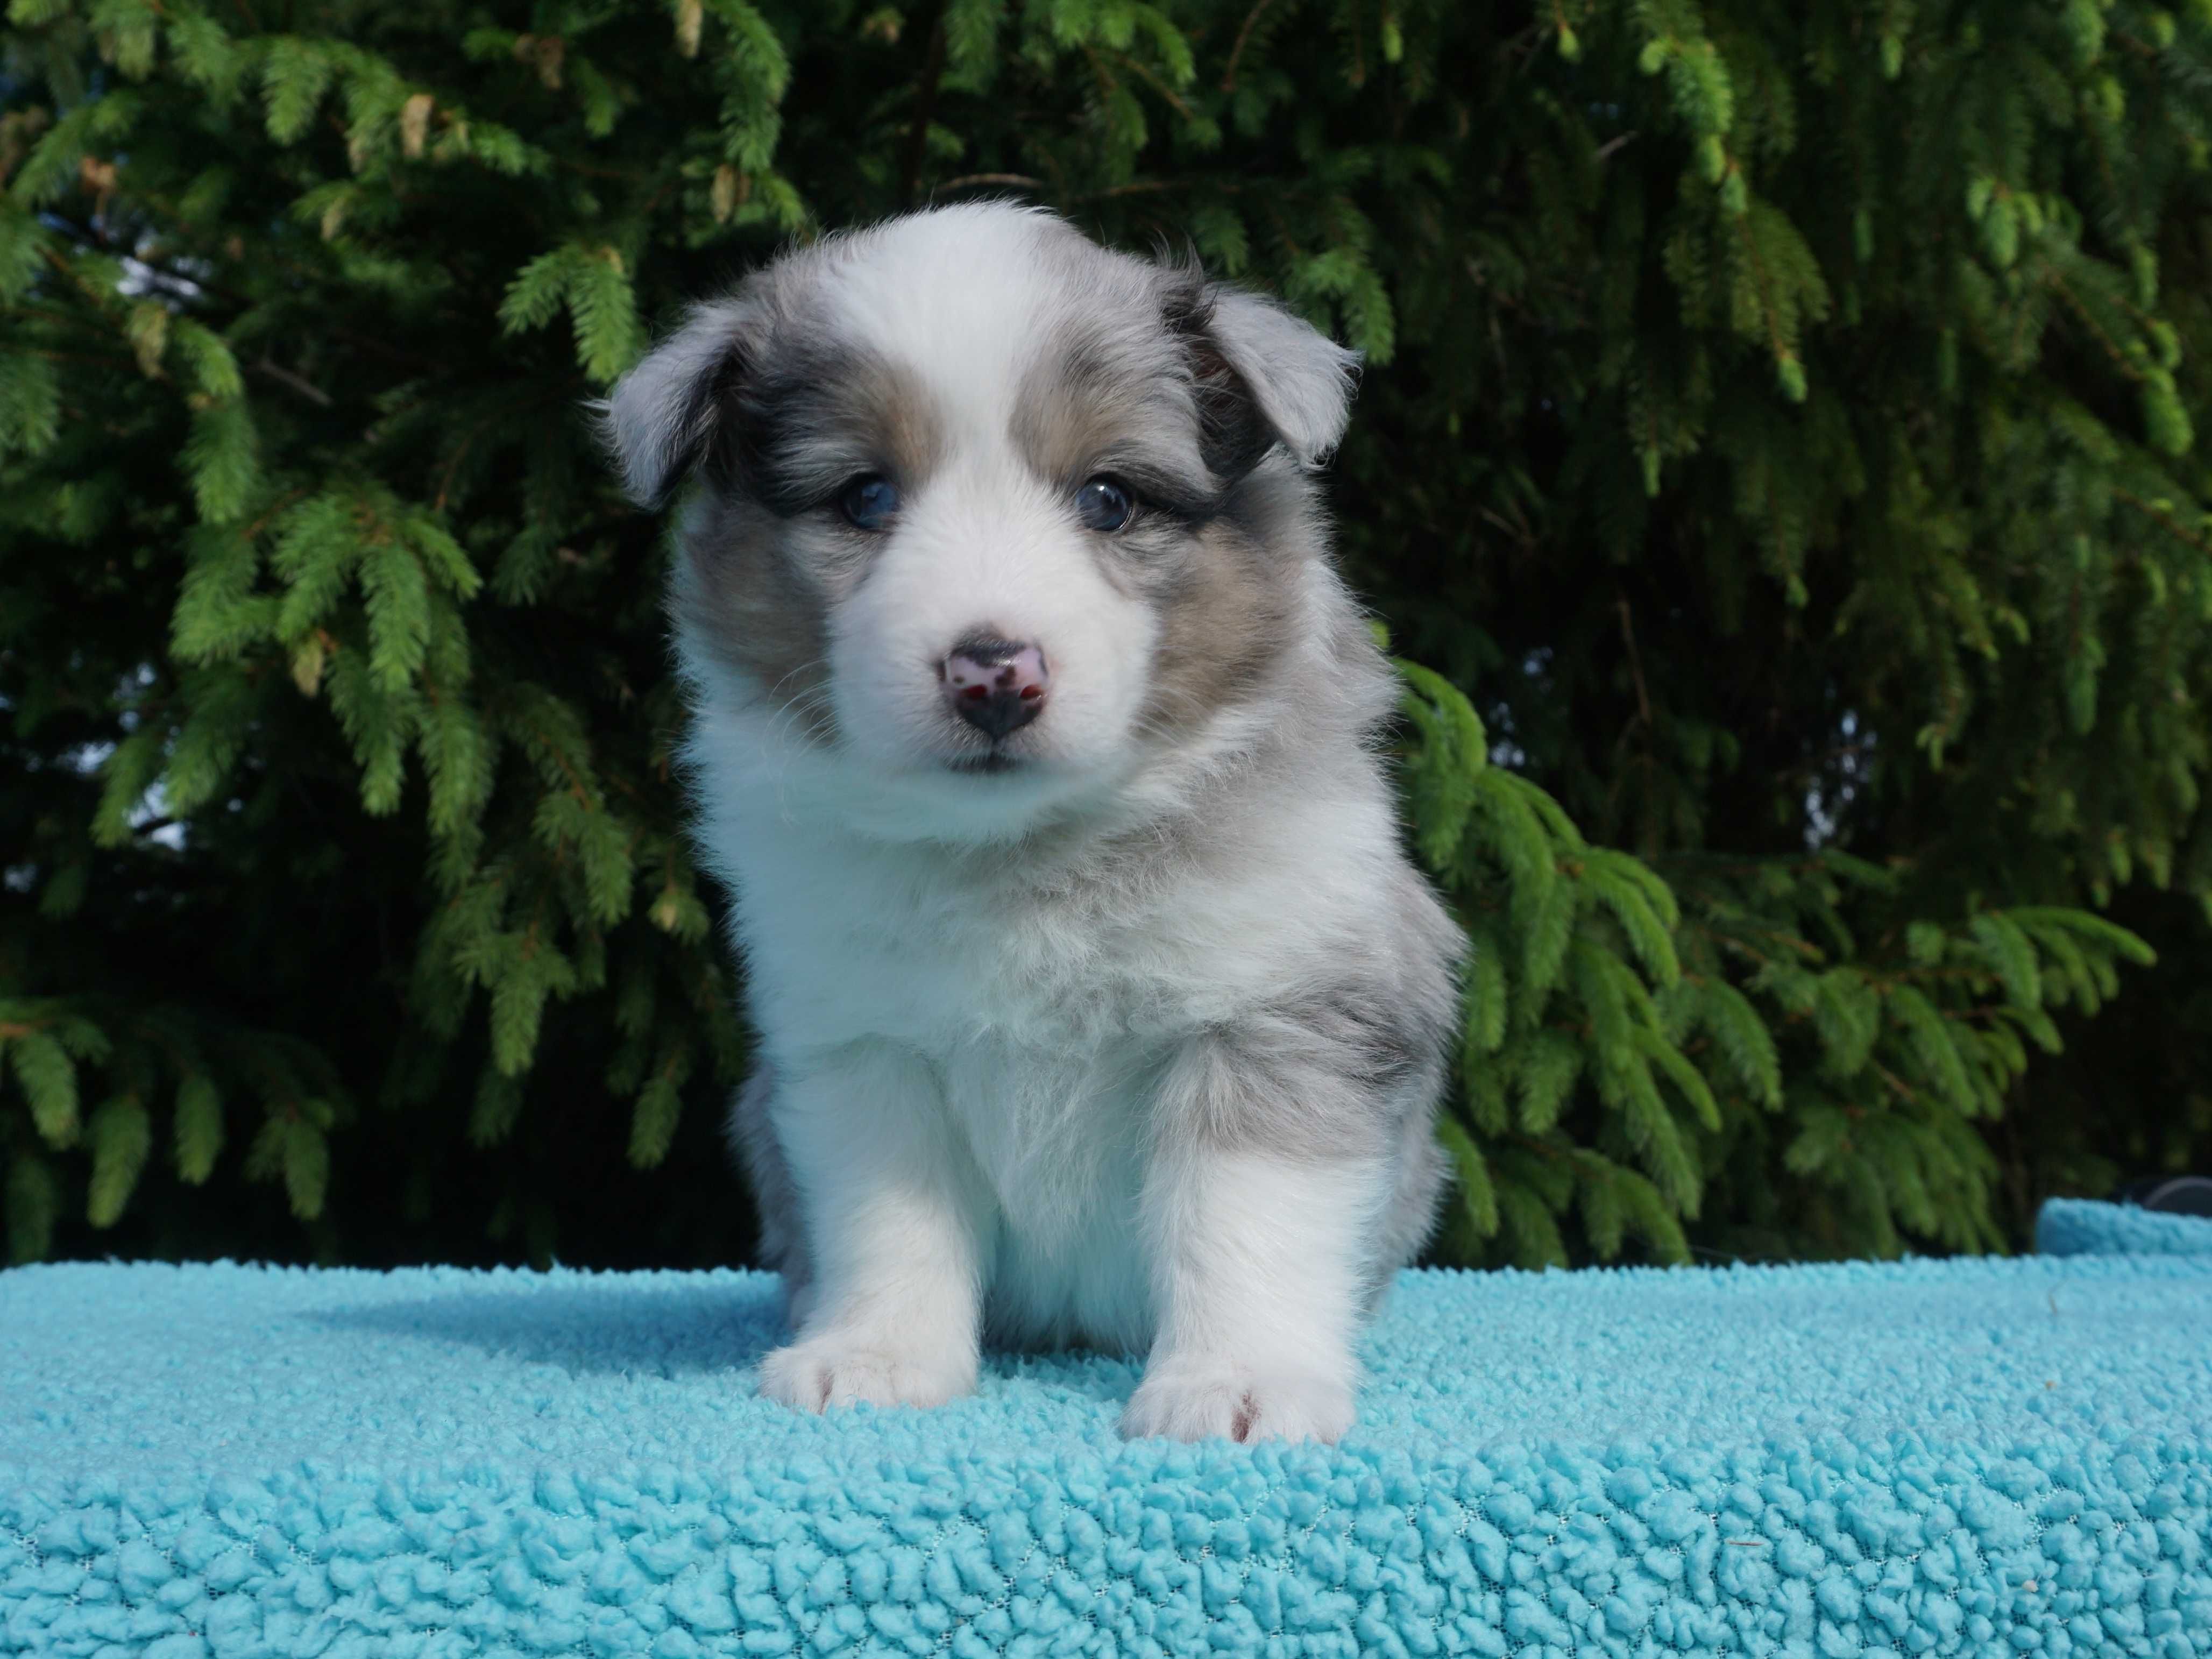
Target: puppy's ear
point(671, 410)
point(1264, 376)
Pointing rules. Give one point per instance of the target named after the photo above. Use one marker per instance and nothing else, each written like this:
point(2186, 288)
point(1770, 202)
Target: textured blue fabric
point(1984, 1457)
point(2080, 1226)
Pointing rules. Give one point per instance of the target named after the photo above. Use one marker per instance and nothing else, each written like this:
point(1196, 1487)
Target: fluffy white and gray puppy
point(1096, 999)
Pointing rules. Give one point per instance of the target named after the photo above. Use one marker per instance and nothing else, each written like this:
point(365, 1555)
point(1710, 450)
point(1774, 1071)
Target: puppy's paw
point(841, 1368)
point(1201, 1397)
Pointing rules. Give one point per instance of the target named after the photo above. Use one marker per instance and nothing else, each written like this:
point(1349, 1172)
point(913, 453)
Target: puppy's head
point(990, 514)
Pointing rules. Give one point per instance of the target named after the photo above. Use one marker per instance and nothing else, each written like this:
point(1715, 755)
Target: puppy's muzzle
point(996, 685)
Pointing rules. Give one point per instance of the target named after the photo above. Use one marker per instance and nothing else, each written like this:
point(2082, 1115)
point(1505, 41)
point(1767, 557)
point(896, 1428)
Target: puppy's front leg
point(1260, 1225)
point(894, 1220)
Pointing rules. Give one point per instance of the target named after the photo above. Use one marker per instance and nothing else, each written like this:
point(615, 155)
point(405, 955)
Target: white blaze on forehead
point(964, 297)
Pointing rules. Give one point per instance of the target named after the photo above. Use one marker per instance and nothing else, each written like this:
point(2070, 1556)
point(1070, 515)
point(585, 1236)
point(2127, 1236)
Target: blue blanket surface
point(1973, 1456)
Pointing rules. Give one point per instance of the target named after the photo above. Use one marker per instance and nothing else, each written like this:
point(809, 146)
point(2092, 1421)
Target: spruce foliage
point(1776, 462)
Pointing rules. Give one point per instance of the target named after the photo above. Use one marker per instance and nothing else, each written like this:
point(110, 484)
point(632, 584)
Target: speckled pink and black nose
point(996, 685)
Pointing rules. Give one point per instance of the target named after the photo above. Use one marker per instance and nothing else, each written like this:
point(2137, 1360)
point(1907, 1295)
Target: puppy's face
point(989, 511)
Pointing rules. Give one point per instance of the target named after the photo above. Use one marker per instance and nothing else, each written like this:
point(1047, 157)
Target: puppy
point(1032, 733)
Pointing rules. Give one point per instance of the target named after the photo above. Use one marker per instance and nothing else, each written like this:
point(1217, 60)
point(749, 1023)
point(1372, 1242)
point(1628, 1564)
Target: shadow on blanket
point(603, 1329)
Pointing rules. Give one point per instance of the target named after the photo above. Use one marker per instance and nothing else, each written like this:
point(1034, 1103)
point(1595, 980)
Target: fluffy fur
point(1123, 1027)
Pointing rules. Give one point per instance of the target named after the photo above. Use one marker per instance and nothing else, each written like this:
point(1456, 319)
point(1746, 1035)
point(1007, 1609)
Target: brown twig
point(971, 180)
point(1237, 51)
point(1157, 85)
point(284, 376)
point(1635, 660)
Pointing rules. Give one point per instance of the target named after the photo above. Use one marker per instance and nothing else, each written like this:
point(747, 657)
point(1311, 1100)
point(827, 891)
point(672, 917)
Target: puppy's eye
point(1103, 505)
point(870, 501)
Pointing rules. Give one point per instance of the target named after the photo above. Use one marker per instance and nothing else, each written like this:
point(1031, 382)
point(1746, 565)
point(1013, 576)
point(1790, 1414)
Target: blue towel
point(1973, 1456)
point(2075, 1226)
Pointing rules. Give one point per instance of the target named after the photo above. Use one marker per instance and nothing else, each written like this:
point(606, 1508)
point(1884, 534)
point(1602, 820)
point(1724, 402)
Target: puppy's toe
point(1298, 1408)
point(821, 1373)
point(1207, 1400)
point(1185, 1407)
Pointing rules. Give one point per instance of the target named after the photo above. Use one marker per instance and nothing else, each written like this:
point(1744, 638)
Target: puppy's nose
point(996, 685)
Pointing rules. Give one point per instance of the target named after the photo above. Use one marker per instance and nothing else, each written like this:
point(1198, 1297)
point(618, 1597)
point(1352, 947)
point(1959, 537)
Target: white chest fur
point(1041, 1027)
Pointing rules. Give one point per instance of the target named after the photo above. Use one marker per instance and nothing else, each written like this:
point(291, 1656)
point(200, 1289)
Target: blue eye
point(870, 501)
point(1103, 505)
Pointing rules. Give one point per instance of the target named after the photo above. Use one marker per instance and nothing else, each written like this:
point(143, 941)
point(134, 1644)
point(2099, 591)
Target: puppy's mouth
point(992, 765)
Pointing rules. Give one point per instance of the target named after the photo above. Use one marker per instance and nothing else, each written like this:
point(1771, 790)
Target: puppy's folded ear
point(1264, 376)
point(672, 410)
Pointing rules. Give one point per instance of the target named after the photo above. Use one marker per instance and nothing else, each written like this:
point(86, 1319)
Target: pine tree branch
point(2173, 525)
point(2111, 349)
